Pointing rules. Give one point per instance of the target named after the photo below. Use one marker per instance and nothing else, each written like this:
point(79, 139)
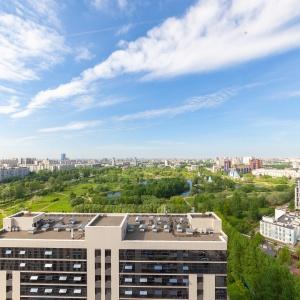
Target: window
point(157, 279)
point(34, 278)
point(77, 278)
point(48, 252)
point(62, 291)
point(143, 279)
point(143, 293)
point(77, 266)
point(22, 265)
point(158, 268)
point(48, 291)
point(128, 293)
point(22, 252)
point(62, 278)
point(48, 265)
point(34, 290)
point(8, 252)
point(128, 267)
point(48, 277)
point(128, 279)
point(185, 268)
point(173, 280)
point(77, 291)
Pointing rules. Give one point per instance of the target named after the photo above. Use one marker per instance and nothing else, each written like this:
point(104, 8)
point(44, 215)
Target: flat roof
point(172, 221)
point(107, 220)
point(62, 221)
point(139, 227)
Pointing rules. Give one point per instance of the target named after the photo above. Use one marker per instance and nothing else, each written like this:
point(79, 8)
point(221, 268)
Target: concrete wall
point(208, 287)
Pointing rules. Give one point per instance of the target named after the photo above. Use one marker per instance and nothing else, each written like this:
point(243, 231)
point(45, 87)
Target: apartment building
point(284, 227)
point(276, 173)
point(6, 173)
point(112, 256)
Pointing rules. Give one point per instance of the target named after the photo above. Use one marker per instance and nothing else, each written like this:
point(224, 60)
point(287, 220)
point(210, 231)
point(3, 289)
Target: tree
point(298, 251)
point(284, 256)
point(19, 190)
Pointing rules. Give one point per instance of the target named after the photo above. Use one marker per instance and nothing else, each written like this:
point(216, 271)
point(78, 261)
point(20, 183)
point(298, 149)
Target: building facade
point(112, 256)
point(255, 164)
point(283, 227)
point(7, 173)
point(276, 173)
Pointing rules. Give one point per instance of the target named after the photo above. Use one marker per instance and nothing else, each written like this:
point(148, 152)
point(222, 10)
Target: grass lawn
point(54, 202)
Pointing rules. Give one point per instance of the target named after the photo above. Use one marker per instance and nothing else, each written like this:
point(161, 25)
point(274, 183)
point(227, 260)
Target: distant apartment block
point(255, 164)
point(112, 256)
point(7, 173)
point(283, 227)
point(276, 173)
point(297, 194)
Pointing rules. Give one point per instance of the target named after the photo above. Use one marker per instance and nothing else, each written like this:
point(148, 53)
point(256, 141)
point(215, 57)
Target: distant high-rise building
point(246, 160)
point(113, 162)
point(297, 194)
point(27, 161)
point(227, 164)
point(219, 162)
point(255, 163)
point(63, 156)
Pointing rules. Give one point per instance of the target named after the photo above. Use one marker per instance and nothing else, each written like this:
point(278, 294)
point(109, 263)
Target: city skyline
point(190, 79)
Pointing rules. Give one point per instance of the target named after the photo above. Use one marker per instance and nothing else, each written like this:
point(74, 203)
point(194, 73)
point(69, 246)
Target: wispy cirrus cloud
point(83, 53)
point(73, 126)
point(294, 93)
point(190, 105)
point(86, 102)
point(106, 4)
point(30, 40)
point(124, 29)
point(9, 107)
point(7, 90)
point(211, 35)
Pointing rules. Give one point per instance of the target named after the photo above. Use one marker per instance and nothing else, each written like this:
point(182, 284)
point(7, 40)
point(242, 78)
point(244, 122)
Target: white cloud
point(86, 102)
point(83, 53)
point(10, 107)
point(122, 4)
point(293, 94)
point(105, 4)
point(191, 105)
point(210, 36)
point(71, 126)
point(29, 40)
point(124, 29)
point(44, 98)
point(99, 4)
point(7, 90)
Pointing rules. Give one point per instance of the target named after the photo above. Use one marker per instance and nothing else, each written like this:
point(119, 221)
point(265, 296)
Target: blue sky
point(163, 78)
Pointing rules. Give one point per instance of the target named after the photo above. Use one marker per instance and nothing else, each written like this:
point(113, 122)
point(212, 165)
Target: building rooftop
point(107, 220)
point(172, 228)
point(139, 227)
point(26, 225)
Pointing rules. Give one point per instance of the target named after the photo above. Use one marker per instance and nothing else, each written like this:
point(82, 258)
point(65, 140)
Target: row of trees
point(253, 275)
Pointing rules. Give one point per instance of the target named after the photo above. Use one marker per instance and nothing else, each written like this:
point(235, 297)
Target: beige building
point(112, 256)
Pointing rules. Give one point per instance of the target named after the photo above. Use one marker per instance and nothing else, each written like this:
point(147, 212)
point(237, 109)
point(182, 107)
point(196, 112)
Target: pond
point(187, 193)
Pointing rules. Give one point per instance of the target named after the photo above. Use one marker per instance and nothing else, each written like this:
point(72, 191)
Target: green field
point(54, 202)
